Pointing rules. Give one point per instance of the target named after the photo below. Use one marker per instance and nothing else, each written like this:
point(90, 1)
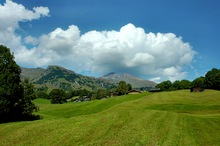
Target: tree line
point(211, 80)
point(59, 96)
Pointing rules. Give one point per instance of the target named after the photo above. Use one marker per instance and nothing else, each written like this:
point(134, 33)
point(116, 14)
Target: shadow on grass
point(18, 118)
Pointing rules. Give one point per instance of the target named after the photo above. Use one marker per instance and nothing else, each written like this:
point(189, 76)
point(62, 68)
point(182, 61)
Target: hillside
point(167, 118)
point(134, 81)
point(31, 73)
point(59, 77)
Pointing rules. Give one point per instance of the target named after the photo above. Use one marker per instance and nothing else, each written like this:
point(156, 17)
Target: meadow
point(165, 118)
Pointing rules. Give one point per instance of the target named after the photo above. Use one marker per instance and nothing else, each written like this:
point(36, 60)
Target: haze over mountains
point(59, 77)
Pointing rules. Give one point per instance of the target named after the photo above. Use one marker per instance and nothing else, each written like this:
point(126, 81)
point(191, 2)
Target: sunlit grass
point(167, 118)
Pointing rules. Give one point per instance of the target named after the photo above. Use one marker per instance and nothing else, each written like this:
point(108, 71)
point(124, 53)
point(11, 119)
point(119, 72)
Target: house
point(133, 91)
point(197, 89)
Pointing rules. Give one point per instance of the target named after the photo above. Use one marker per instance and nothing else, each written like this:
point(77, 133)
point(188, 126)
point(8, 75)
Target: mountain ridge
point(59, 77)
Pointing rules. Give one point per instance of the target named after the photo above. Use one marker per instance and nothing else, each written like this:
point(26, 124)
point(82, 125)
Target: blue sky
point(192, 22)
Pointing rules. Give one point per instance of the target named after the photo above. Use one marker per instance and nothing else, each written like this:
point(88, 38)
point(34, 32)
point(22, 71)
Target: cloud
point(31, 40)
point(11, 14)
point(131, 50)
point(158, 56)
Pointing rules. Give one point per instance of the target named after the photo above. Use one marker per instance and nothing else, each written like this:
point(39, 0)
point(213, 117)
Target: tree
point(25, 104)
point(85, 92)
point(42, 94)
point(212, 79)
point(129, 87)
point(101, 93)
point(165, 85)
point(185, 84)
point(198, 82)
point(57, 96)
point(176, 85)
point(122, 88)
point(11, 90)
point(15, 101)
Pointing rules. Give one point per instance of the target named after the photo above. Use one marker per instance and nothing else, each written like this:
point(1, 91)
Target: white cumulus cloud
point(11, 14)
point(130, 50)
point(157, 56)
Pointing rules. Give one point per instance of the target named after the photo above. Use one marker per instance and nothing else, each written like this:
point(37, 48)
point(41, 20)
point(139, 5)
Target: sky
point(156, 40)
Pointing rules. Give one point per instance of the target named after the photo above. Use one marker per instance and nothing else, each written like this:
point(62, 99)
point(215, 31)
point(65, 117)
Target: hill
point(166, 118)
point(134, 81)
point(59, 77)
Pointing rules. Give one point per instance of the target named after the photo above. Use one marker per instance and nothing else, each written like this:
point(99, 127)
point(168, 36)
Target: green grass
point(166, 118)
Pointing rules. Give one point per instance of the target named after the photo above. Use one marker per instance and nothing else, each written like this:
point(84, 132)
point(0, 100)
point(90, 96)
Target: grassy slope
point(168, 118)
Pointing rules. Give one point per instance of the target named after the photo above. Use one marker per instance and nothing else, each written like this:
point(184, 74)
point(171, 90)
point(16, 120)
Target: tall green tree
point(11, 90)
point(15, 97)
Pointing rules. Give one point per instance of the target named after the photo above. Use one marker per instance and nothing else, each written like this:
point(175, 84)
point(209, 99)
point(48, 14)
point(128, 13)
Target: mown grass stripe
point(168, 118)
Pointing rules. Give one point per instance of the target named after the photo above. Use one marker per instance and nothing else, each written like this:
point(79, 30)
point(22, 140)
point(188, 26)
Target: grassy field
point(166, 118)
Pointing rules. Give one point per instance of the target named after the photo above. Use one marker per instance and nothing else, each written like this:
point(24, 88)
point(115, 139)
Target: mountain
point(59, 77)
point(134, 81)
point(31, 73)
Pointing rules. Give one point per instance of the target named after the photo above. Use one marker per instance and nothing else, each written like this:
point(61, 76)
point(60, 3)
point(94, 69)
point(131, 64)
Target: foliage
point(212, 79)
point(176, 85)
point(11, 90)
point(198, 82)
point(165, 85)
point(102, 93)
point(85, 92)
point(42, 94)
point(129, 86)
point(15, 97)
point(185, 84)
point(57, 96)
point(122, 88)
point(26, 105)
